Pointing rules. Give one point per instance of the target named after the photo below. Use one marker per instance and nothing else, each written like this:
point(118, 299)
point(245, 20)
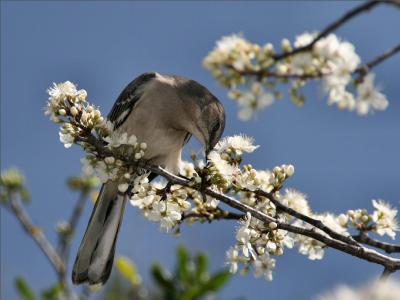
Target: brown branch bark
point(316, 223)
point(38, 236)
point(334, 26)
point(357, 251)
point(341, 243)
point(365, 68)
point(387, 247)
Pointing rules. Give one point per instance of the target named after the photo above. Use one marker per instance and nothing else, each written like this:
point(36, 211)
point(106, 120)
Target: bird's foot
point(165, 191)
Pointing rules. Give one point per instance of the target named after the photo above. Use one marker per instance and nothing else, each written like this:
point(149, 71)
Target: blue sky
point(342, 161)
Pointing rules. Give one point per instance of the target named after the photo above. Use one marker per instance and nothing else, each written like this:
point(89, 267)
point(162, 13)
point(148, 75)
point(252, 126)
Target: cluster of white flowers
point(377, 290)
point(148, 197)
point(252, 73)
point(257, 243)
point(68, 106)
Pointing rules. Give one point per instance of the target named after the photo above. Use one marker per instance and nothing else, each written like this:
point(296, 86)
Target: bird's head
point(207, 115)
point(211, 124)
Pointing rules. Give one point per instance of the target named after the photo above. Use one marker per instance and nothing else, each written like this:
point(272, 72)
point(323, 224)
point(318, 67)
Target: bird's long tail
point(95, 256)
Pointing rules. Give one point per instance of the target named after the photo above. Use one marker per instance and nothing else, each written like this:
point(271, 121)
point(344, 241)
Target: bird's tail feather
point(95, 256)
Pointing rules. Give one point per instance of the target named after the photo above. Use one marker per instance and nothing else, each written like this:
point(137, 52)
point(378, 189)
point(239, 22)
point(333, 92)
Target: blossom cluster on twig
point(253, 73)
point(113, 156)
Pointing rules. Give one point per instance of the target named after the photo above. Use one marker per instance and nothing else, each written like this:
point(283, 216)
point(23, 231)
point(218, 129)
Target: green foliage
point(23, 289)
point(52, 293)
point(191, 279)
point(12, 183)
point(128, 270)
point(26, 293)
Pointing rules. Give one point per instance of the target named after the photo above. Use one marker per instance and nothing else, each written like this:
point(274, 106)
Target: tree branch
point(38, 236)
point(341, 243)
point(316, 223)
point(65, 238)
point(365, 68)
point(387, 247)
point(357, 251)
point(334, 26)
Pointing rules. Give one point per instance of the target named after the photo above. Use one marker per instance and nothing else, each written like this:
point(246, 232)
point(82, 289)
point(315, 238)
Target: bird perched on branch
point(164, 112)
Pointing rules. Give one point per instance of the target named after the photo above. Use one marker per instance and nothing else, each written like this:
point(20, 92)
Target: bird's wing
point(128, 98)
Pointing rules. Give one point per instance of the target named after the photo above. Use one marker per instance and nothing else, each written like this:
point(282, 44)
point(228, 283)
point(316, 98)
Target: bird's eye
point(215, 127)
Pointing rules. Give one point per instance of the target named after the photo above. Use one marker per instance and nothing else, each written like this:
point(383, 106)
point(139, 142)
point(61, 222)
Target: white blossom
point(369, 98)
point(66, 88)
point(232, 256)
point(165, 212)
point(230, 43)
point(385, 218)
point(239, 143)
point(296, 200)
point(67, 139)
point(263, 266)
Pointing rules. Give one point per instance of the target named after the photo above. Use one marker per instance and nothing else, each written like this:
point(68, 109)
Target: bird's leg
point(165, 191)
point(204, 183)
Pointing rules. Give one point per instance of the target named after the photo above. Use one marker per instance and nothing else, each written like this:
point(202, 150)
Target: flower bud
point(123, 187)
point(289, 170)
point(74, 111)
point(143, 146)
point(62, 112)
point(272, 225)
point(109, 160)
point(82, 94)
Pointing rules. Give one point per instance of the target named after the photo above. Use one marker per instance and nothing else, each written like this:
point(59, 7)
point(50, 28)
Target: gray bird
point(164, 112)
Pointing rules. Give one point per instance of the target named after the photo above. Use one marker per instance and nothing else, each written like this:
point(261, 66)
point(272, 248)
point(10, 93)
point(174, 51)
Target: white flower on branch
point(310, 247)
point(236, 143)
point(258, 239)
point(369, 97)
point(385, 218)
point(296, 200)
point(263, 266)
point(67, 139)
point(232, 257)
point(252, 73)
point(167, 213)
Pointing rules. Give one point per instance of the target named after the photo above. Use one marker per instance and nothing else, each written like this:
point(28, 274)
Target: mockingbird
point(164, 112)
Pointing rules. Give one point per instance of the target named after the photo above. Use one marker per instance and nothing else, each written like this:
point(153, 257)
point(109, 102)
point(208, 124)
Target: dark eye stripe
point(215, 127)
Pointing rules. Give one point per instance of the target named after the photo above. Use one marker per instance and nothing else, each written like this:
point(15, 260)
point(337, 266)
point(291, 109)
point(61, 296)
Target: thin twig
point(361, 70)
point(316, 223)
point(332, 27)
point(357, 251)
point(340, 243)
point(365, 68)
point(221, 215)
point(65, 238)
point(38, 236)
point(387, 247)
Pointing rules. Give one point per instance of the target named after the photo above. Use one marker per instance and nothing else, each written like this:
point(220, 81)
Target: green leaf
point(201, 267)
point(52, 293)
point(23, 289)
point(163, 279)
point(128, 269)
point(183, 262)
point(217, 281)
